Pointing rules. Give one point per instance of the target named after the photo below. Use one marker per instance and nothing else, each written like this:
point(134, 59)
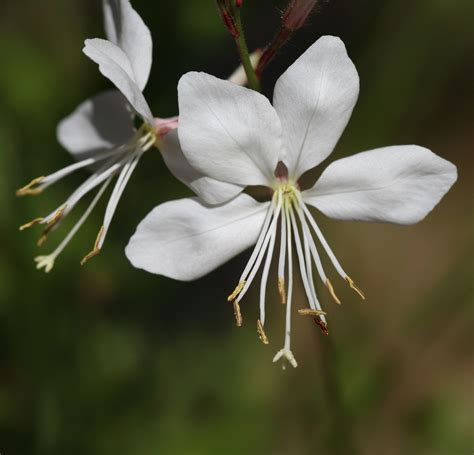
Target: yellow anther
point(311, 312)
point(43, 237)
point(261, 333)
point(31, 223)
point(331, 291)
point(29, 190)
point(96, 249)
point(356, 289)
point(50, 225)
point(236, 291)
point(282, 290)
point(57, 216)
point(237, 313)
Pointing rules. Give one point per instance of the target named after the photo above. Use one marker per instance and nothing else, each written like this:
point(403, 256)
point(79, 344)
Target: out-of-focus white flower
point(234, 135)
point(101, 132)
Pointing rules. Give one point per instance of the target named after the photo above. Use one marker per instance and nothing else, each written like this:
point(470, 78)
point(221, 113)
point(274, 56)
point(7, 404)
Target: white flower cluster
point(228, 138)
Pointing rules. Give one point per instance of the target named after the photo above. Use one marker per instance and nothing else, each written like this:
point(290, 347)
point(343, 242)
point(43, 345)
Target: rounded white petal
point(228, 132)
point(101, 122)
point(115, 65)
point(314, 99)
point(186, 239)
point(399, 184)
point(125, 28)
point(210, 190)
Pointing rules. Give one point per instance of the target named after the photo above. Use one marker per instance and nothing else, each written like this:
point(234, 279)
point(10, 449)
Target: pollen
point(236, 291)
point(96, 249)
point(331, 291)
point(237, 313)
point(311, 312)
point(282, 290)
point(50, 225)
point(31, 223)
point(261, 333)
point(29, 190)
point(355, 288)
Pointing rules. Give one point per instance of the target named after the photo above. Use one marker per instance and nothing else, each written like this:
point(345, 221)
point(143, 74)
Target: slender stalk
point(341, 437)
point(253, 81)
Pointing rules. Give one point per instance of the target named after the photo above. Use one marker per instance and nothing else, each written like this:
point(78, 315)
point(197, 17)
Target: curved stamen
point(256, 250)
point(266, 270)
point(261, 253)
point(282, 260)
point(310, 293)
point(330, 253)
point(48, 261)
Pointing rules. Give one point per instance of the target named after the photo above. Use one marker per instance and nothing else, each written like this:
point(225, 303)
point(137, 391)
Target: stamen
point(311, 312)
point(29, 189)
point(331, 291)
point(282, 259)
point(266, 270)
point(260, 240)
point(312, 245)
point(55, 219)
point(322, 325)
point(282, 290)
point(96, 249)
point(355, 288)
point(301, 260)
point(323, 241)
point(309, 269)
point(236, 291)
point(258, 261)
point(31, 223)
point(48, 261)
point(237, 313)
point(57, 216)
point(117, 192)
point(261, 333)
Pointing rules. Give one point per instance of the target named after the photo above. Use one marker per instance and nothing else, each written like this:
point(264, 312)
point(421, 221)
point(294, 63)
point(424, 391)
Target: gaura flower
point(101, 134)
point(234, 135)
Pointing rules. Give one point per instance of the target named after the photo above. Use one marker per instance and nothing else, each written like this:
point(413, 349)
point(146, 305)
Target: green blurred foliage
point(106, 359)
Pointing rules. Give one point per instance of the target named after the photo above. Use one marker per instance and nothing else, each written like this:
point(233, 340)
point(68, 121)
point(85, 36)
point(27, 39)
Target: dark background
point(106, 359)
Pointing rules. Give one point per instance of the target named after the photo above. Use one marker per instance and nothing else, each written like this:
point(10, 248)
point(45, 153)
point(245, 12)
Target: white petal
point(399, 184)
point(115, 65)
point(210, 190)
point(314, 99)
point(228, 132)
point(125, 28)
point(101, 122)
point(186, 239)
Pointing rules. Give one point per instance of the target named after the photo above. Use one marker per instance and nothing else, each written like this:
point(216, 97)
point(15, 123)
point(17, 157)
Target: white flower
point(101, 134)
point(234, 135)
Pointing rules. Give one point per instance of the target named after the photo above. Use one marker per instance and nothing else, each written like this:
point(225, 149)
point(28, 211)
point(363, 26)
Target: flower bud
point(297, 12)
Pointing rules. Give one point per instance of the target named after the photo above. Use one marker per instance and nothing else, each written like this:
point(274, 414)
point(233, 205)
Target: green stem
point(341, 435)
point(253, 81)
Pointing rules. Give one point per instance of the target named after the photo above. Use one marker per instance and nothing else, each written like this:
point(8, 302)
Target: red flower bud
point(297, 12)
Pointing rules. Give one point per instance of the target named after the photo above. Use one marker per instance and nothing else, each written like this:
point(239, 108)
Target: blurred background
point(106, 359)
